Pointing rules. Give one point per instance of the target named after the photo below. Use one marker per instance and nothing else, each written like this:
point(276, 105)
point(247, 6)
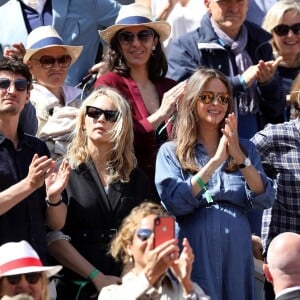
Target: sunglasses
point(47, 62)
point(126, 37)
point(208, 97)
point(20, 84)
point(31, 278)
point(282, 29)
point(144, 233)
point(95, 113)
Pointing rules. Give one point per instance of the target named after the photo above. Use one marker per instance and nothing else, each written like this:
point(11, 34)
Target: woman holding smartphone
point(149, 276)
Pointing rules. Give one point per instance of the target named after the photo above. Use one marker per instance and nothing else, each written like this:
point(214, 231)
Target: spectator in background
point(137, 68)
point(279, 149)
point(22, 272)
point(152, 270)
point(209, 178)
point(283, 266)
point(55, 102)
point(104, 186)
point(183, 15)
point(76, 21)
point(227, 42)
point(283, 22)
point(258, 9)
point(30, 190)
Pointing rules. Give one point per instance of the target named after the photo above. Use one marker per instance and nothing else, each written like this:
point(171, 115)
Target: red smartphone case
point(164, 229)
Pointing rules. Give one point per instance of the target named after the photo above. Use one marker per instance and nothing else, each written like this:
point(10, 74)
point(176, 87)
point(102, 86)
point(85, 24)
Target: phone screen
point(164, 229)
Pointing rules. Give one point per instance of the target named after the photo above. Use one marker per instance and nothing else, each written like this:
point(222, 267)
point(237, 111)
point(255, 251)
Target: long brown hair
point(186, 129)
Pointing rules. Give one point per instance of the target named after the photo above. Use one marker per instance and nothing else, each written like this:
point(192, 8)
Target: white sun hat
point(20, 258)
point(44, 37)
point(136, 15)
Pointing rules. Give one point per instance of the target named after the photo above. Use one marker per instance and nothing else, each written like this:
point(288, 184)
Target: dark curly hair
point(16, 66)
point(157, 64)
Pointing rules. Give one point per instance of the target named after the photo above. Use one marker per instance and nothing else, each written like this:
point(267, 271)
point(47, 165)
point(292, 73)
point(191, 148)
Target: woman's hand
point(159, 259)
point(171, 100)
point(231, 133)
point(182, 267)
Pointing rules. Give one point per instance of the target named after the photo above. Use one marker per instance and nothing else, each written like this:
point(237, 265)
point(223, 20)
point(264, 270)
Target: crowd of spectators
point(116, 113)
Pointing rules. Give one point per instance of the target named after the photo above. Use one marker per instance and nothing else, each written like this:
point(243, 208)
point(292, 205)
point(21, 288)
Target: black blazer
point(94, 216)
point(294, 295)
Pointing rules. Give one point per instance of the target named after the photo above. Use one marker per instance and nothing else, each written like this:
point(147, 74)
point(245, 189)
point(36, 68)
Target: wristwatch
point(246, 163)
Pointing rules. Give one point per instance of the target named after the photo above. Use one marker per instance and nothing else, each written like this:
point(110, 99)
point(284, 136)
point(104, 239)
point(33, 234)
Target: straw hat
point(45, 37)
point(136, 15)
point(20, 258)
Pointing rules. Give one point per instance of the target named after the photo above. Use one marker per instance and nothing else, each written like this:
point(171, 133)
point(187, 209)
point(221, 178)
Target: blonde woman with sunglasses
point(209, 179)
point(104, 186)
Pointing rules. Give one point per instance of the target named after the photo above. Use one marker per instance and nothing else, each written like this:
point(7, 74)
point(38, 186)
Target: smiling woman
point(283, 22)
point(209, 178)
point(137, 67)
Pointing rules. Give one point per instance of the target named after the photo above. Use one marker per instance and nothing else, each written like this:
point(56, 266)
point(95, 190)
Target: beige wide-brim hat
point(136, 15)
point(21, 258)
point(45, 37)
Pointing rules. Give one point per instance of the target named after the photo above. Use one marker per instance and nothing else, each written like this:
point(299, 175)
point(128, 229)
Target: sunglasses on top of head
point(283, 29)
point(208, 97)
point(126, 37)
point(47, 61)
point(31, 278)
point(95, 113)
point(20, 84)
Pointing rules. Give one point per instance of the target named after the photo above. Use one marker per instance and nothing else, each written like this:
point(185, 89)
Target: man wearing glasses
point(30, 190)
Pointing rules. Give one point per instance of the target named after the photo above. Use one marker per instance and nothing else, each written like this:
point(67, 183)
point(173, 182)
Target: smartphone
point(164, 229)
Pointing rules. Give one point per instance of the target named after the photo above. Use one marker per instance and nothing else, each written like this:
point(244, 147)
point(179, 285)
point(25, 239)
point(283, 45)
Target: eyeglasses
point(31, 278)
point(47, 61)
point(20, 84)
point(283, 29)
point(95, 113)
point(143, 234)
point(126, 37)
point(208, 97)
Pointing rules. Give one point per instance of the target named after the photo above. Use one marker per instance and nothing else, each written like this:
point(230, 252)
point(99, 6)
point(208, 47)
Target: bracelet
point(53, 204)
point(93, 274)
point(207, 195)
point(243, 83)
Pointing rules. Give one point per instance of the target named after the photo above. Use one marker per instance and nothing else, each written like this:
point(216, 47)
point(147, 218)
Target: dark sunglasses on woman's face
point(20, 84)
point(283, 29)
point(208, 97)
point(95, 113)
point(31, 278)
point(126, 37)
point(47, 61)
point(143, 234)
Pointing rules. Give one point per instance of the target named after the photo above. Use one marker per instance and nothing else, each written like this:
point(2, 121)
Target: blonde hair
point(275, 15)
point(128, 227)
point(186, 129)
point(122, 159)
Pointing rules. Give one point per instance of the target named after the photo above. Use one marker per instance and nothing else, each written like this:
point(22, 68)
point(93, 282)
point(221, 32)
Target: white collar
point(37, 5)
point(287, 290)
